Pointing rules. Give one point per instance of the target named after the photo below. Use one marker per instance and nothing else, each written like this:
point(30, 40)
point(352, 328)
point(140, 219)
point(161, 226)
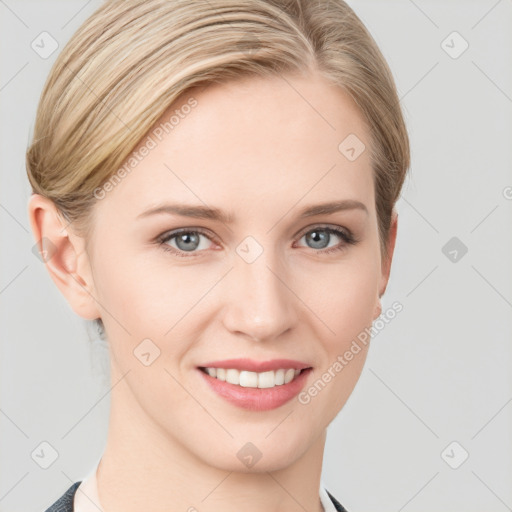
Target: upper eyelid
point(311, 227)
point(175, 232)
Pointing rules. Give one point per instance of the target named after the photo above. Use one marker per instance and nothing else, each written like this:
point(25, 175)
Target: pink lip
point(256, 366)
point(257, 399)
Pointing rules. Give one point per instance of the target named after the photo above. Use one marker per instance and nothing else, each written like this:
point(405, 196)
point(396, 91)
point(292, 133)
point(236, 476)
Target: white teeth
point(233, 376)
point(249, 379)
point(289, 375)
point(266, 379)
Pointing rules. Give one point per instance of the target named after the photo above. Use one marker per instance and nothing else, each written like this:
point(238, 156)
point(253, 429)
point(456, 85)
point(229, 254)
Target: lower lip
point(257, 399)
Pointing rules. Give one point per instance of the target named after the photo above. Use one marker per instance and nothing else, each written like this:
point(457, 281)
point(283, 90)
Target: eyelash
point(346, 236)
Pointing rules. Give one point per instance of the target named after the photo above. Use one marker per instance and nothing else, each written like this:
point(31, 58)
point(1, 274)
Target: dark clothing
point(65, 502)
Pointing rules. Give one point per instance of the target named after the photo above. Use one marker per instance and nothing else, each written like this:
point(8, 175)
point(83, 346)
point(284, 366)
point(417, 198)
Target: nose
point(259, 301)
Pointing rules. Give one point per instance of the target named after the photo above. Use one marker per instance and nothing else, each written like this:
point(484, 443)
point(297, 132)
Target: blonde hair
point(130, 60)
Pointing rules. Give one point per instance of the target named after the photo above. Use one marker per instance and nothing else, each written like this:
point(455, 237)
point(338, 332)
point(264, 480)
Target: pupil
point(317, 237)
point(186, 238)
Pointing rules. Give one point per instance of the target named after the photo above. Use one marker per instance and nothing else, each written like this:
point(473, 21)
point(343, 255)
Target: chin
point(256, 454)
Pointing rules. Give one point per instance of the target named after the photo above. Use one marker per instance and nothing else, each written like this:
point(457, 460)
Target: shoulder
point(65, 502)
point(337, 505)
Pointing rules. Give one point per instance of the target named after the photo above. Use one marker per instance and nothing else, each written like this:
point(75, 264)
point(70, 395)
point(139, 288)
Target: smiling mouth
point(248, 379)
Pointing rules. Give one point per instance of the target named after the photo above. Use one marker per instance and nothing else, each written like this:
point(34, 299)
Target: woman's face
point(264, 282)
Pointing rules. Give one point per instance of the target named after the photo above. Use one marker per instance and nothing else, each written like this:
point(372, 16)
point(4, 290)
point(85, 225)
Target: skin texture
point(261, 150)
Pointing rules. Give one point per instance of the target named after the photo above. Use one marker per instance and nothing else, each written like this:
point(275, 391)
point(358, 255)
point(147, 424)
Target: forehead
point(252, 142)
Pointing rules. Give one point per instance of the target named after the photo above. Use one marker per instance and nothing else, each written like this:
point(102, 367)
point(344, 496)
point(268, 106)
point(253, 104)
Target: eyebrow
point(205, 212)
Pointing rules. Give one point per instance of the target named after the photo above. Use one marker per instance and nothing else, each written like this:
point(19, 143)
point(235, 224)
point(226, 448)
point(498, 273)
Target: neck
point(144, 468)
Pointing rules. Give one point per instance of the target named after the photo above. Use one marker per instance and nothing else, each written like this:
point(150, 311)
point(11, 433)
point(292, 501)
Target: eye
point(187, 240)
point(320, 237)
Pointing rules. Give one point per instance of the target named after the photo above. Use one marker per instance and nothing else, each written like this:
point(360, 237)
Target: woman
point(214, 185)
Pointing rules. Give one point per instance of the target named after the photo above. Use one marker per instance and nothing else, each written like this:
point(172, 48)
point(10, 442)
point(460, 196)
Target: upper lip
point(256, 366)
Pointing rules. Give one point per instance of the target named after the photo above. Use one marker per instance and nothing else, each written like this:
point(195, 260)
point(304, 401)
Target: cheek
point(127, 290)
point(141, 289)
point(351, 305)
point(344, 297)
point(345, 305)
point(148, 296)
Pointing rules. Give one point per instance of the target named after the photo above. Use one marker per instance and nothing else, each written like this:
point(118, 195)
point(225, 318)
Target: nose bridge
point(260, 303)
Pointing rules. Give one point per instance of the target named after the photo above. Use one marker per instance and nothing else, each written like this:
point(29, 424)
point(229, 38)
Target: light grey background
point(439, 372)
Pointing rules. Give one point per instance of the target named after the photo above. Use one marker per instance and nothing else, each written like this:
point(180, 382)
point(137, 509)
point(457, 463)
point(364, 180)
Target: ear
point(64, 256)
point(386, 262)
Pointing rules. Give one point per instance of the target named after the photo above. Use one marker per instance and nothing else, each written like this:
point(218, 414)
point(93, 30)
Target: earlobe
point(378, 309)
point(63, 255)
point(386, 263)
